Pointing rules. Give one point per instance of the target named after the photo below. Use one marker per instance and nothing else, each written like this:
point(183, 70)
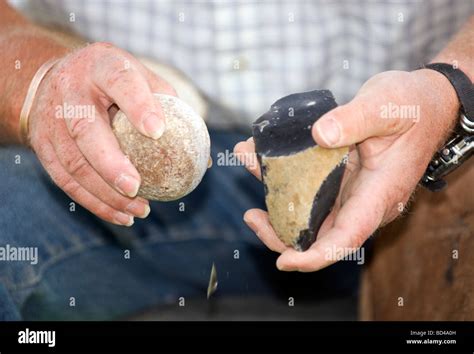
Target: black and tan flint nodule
point(301, 179)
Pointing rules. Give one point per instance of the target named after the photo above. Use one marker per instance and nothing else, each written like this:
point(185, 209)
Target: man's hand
point(71, 134)
point(396, 121)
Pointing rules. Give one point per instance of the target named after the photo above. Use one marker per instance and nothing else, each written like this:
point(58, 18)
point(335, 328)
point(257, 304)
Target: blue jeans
point(83, 261)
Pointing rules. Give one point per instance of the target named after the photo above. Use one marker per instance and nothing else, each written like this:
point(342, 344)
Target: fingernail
point(153, 125)
point(127, 185)
point(138, 209)
point(329, 130)
point(124, 219)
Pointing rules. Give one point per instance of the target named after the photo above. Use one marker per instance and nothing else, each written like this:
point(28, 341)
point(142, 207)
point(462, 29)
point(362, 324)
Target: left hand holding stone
point(394, 125)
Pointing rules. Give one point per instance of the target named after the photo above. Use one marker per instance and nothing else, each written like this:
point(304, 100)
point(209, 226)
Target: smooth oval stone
point(173, 165)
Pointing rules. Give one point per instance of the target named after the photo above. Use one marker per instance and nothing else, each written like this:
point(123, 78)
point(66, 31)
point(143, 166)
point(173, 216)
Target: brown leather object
point(414, 258)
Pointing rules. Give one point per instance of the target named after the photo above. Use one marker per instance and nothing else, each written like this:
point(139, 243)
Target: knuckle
point(166, 88)
point(117, 75)
point(104, 212)
point(365, 122)
point(76, 165)
point(106, 55)
point(159, 84)
point(78, 128)
point(115, 200)
point(69, 186)
point(100, 46)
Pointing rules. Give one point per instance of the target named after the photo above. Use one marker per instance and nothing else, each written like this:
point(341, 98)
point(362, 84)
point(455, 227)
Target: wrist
point(30, 98)
point(442, 99)
point(16, 83)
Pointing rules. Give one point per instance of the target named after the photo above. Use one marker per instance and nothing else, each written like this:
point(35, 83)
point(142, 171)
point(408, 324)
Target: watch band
point(460, 146)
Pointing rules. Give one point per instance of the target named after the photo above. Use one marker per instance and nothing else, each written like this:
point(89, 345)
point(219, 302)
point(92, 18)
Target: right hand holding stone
point(70, 131)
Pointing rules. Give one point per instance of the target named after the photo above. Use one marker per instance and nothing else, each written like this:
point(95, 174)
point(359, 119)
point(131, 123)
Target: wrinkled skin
point(82, 155)
point(387, 159)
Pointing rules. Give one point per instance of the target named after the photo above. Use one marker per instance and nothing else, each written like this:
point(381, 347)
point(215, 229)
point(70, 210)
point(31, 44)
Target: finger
point(328, 223)
point(349, 176)
point(351, 171)
point(245, 152)
point(358, 218)
point(158, 84)
point(355, 122)
point(125, 85)
point(258, 221)
point(76, 192)
point(81, 171)
point(98, 144)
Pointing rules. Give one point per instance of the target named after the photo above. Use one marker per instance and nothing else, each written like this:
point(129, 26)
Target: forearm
point(459, 52)
point(24, 49)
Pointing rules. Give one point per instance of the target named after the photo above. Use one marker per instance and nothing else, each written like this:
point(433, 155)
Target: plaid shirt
point(246, 54)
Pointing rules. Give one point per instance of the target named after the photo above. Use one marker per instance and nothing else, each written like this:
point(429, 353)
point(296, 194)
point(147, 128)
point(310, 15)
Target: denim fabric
point(171, 252)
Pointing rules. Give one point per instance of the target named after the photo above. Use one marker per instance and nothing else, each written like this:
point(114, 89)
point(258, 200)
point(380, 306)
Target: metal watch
point(460, 146)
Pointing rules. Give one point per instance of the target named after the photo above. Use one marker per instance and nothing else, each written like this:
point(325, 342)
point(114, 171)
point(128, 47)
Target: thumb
point(353, 123)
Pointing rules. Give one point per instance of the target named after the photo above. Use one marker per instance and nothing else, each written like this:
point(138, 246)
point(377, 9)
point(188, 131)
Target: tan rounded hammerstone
point(173, 165)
